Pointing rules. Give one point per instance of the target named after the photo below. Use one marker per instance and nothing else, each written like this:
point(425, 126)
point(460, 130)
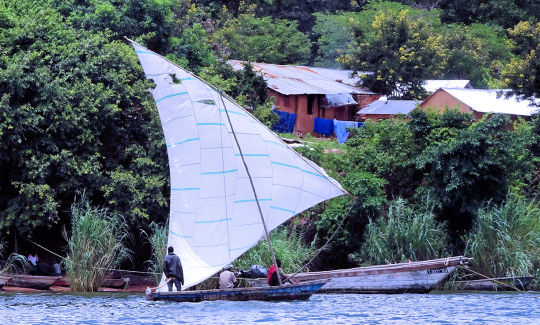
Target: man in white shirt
point(227, 279)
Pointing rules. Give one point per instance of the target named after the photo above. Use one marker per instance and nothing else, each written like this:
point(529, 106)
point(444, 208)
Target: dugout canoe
point(3, 280)
point(108, 283)
point(39, 282)
point(412, 277)
point(496, 284)
point(277, 293)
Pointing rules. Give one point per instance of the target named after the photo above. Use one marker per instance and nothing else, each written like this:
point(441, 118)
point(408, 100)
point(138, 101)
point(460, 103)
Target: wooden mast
point(254, 191)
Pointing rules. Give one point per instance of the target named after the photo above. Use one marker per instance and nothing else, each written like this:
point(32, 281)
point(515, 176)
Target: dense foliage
point(423, 178)
point(505, 240)
point(75, 114)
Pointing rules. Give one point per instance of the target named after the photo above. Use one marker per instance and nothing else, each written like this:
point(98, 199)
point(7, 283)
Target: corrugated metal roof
point(390, 107)
point(490, 101)
point(432, 85)
point(297, 80)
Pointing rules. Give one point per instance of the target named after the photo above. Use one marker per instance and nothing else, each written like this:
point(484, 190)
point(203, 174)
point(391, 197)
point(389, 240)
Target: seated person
point(33, 260)
point(272, 274)
point(227, 279)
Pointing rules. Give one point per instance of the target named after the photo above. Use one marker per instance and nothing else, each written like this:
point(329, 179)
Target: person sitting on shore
point(172, 267)
point(33, 261)
point(272, 274)
point(227, 279)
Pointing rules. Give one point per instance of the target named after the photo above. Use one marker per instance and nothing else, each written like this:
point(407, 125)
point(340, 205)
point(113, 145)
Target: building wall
point(441, 101)
point(298, 104)
point(365, 100)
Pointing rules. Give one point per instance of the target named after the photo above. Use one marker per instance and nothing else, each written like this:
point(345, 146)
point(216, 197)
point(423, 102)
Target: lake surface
point(114, 308)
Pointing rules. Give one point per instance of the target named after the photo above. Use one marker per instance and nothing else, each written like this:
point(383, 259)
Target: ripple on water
point(114, 308)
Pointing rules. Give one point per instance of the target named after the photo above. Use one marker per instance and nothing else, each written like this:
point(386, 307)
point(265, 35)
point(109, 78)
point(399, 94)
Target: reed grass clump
point(158, 241)
point(505, 240)
point(14, 261)
point(288, 247)
point(404, 234)
point(96, 245)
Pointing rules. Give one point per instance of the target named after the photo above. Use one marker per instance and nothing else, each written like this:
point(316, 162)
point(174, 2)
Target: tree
point(523, 74)
point(191, 49)
point(75, 114)
point(401, 50)
point(148, 20)
point(465, 166)
point(476, 52)
point(333, 35)
point(264, 40)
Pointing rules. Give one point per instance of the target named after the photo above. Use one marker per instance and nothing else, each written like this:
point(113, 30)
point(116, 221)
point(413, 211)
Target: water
point(114, 308)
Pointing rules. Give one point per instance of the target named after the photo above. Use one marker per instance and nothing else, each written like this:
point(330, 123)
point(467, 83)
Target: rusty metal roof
point(297, 80)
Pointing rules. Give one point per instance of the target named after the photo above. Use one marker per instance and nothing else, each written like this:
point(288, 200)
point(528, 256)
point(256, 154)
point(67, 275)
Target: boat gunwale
point(387, 268)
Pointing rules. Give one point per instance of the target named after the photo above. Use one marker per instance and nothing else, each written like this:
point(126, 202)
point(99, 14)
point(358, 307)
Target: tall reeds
point(95, 246)
point(14, 261)
point(405, 233)
point(288, 247)
point(505, 240)
point(158, 241)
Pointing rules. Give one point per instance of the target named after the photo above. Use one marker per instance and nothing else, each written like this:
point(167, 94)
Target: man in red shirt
point(271, 278)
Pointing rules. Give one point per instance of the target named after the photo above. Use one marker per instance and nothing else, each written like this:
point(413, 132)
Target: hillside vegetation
point(76, 116)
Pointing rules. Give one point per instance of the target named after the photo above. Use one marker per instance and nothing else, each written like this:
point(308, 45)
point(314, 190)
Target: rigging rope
point(328, 241)
point(467, 268)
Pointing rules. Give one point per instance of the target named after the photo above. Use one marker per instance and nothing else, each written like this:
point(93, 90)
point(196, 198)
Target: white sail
point(214, 217)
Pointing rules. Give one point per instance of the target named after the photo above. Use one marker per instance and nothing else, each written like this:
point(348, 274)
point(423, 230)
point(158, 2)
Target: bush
point(95, 246)
point(158, 240)
point(505, 240)
point(10, 265)
point(288, 247)
point(404, 234)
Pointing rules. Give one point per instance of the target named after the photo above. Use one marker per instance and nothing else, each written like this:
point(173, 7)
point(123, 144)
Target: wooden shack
point(311, 92)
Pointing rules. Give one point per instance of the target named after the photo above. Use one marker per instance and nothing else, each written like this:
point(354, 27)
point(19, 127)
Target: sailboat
point(232, 181)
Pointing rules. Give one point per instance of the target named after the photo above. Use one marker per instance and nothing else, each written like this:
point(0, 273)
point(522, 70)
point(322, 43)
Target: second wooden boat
point(413, 277)
point(39, 282)
point(496, 284)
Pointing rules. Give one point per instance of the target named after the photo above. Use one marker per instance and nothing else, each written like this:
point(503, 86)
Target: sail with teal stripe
point(214, 216)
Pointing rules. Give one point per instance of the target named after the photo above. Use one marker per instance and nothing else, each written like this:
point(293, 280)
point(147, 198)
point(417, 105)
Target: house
point(479, 102)
point(311, 92)
point(384, 109)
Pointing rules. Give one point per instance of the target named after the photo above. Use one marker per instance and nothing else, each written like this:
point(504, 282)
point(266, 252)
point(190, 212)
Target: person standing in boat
point(227, 279)
point(172, 267)
point(272, 274)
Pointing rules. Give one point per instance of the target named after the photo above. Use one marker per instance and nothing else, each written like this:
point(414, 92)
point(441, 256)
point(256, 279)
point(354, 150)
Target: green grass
point(288, 247)
point(505, 240)
point(158, 240)
point(405, 233)
point(14, 262)
point(95, 246)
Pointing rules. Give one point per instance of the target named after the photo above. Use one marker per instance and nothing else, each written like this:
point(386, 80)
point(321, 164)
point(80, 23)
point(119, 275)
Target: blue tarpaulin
point(323, 126)
point(285, 123)
point(340, 127)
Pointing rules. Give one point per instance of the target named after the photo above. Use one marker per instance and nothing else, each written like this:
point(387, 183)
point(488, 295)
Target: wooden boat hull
point(3, 280)
point(31, 281)
point(496, 284)
point(414, 277)
point(286, 292)
point(108, 283)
